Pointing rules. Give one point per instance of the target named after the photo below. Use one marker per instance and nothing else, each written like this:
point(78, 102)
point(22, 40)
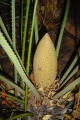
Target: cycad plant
point(21, 62)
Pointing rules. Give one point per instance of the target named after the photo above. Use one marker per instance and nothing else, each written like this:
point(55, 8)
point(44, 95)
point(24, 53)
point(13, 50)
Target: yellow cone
point(45, 62)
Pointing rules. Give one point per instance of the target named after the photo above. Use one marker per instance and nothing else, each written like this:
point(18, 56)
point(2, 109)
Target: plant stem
point(25, 29)
point(69, 68)
point(20, 115)
point(29, 51)
point(71, 74)
point(31, 38)
point(12, 84)
point(62, 27)
point(65, 90)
